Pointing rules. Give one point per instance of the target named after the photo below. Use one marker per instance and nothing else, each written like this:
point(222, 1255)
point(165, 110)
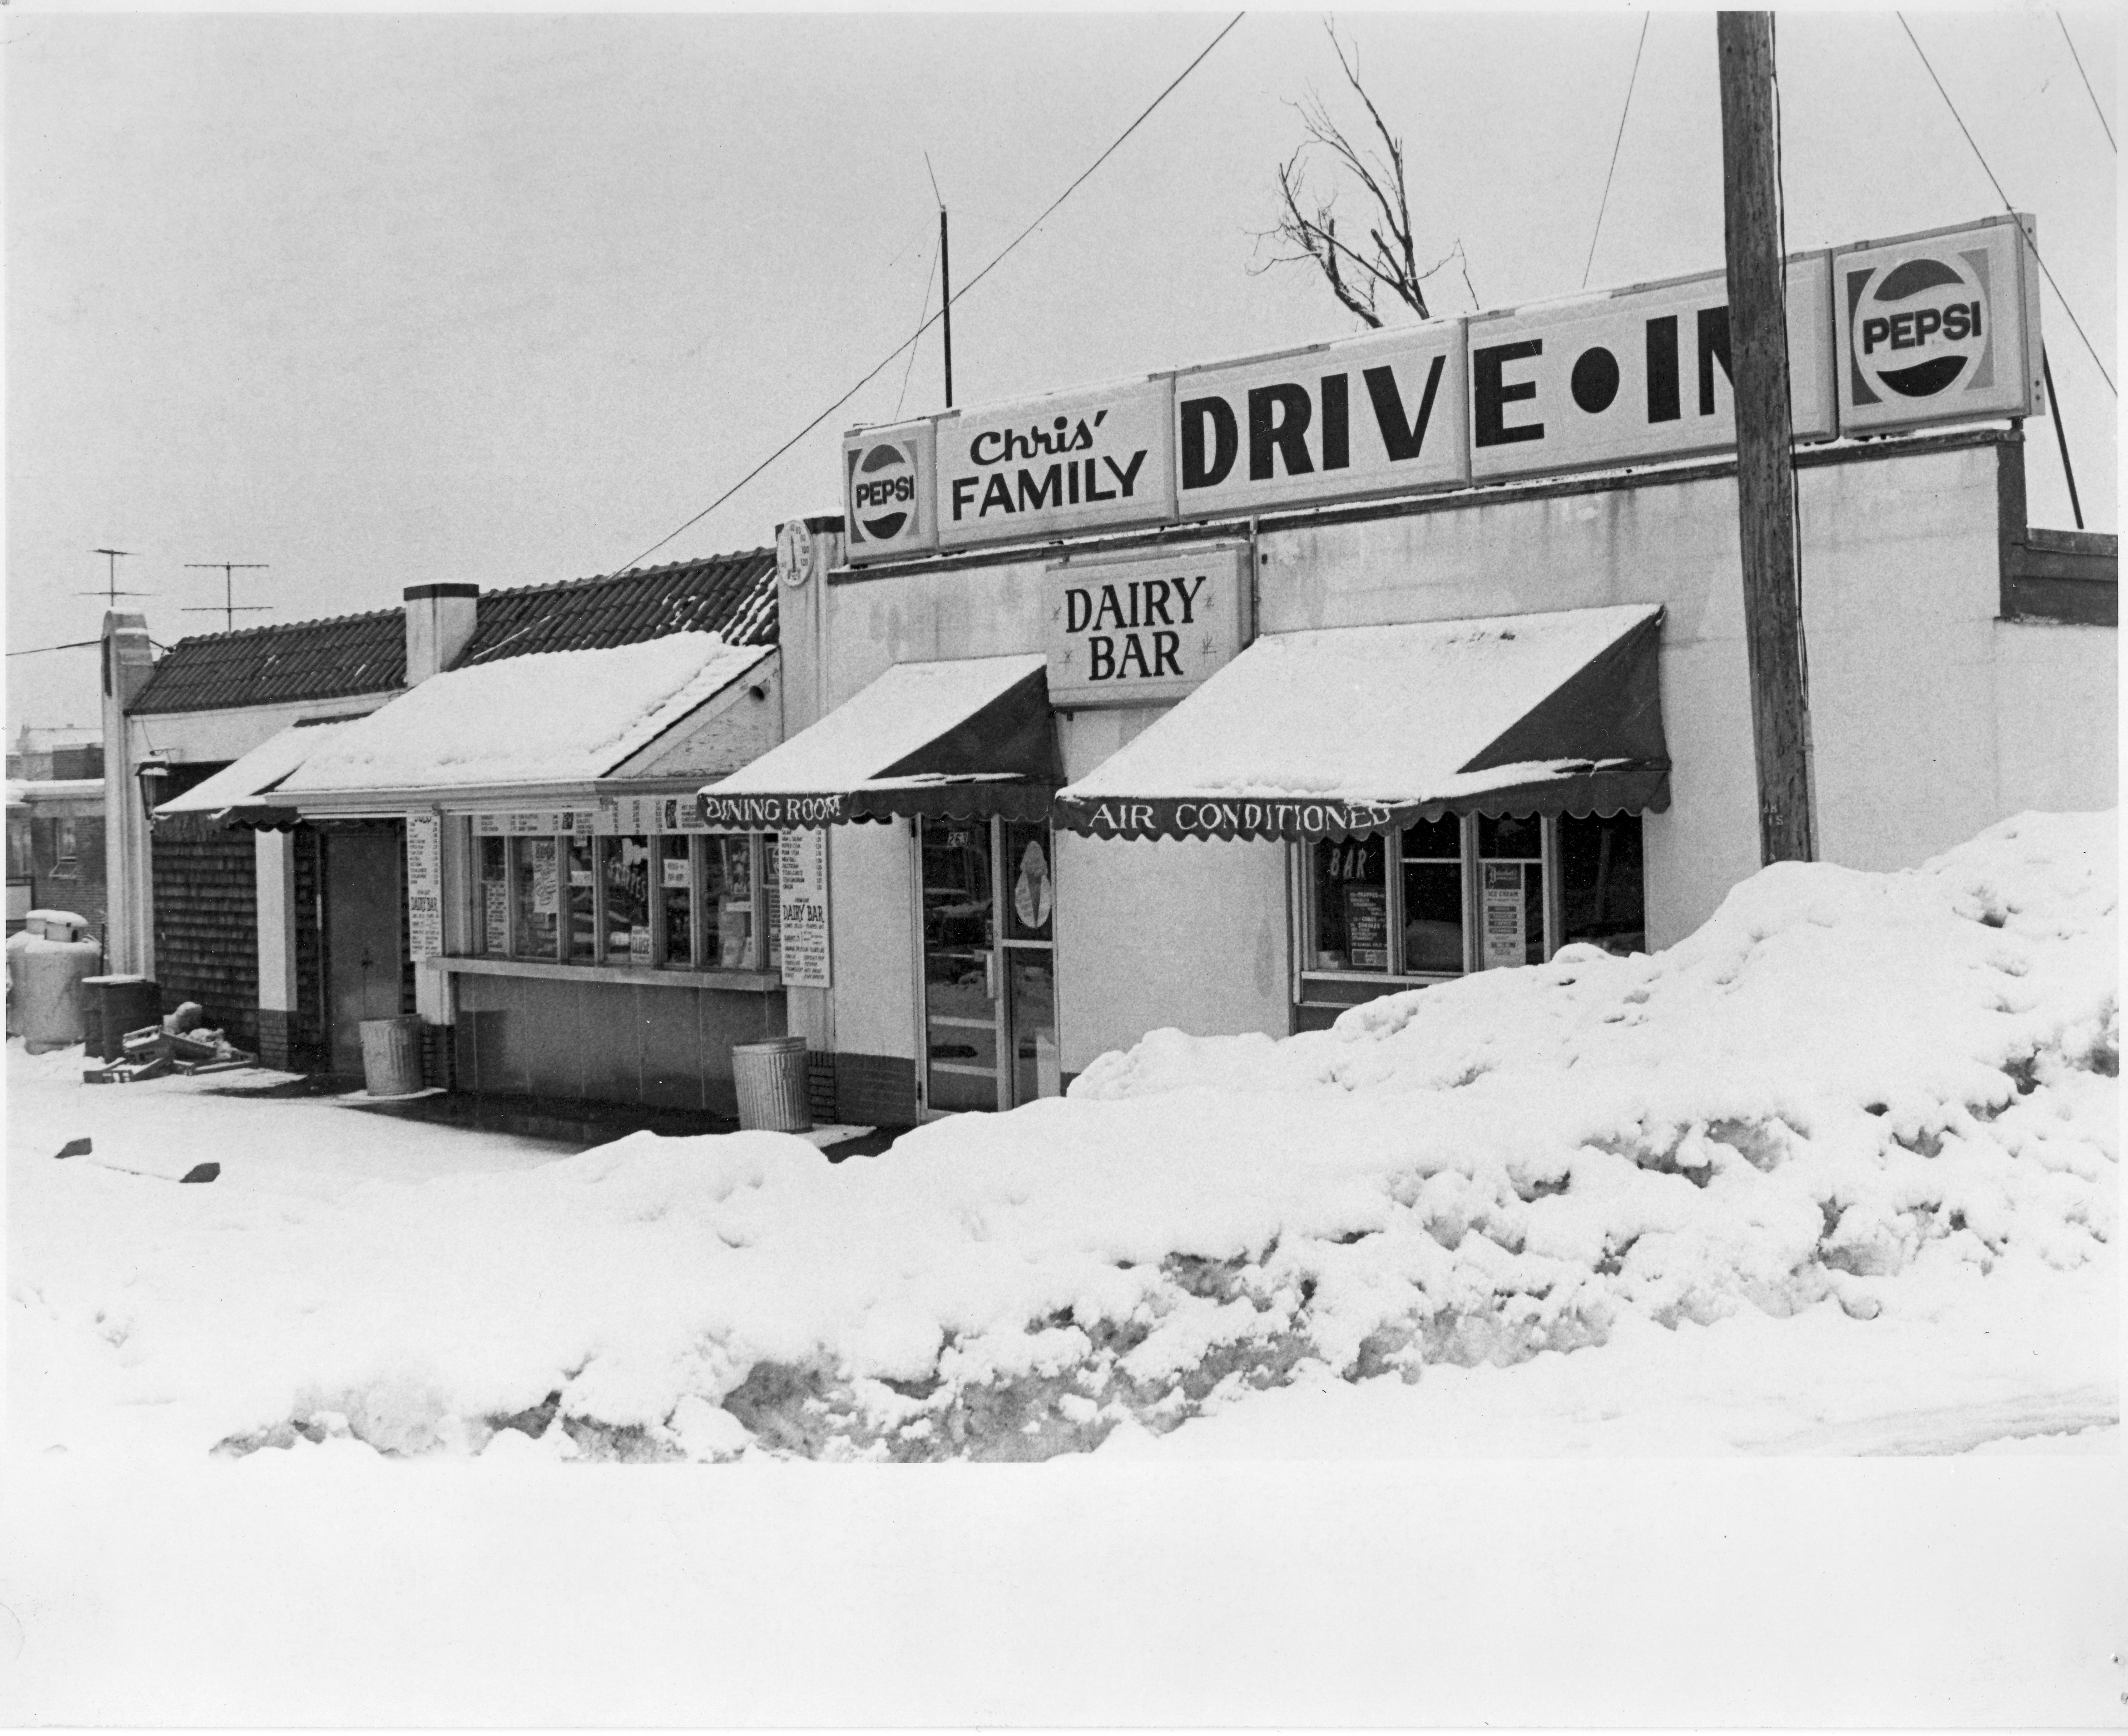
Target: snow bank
point(1884, 1094)
point(560, 717)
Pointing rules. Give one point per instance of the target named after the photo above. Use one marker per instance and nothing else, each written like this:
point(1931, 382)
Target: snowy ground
point(1837, 1176)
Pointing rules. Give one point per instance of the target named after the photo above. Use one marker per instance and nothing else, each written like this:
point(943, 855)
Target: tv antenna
point(111, 593)
point(229, 607)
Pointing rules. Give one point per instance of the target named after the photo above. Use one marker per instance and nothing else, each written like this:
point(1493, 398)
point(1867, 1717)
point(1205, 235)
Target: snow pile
point(559, 717)
point(1882, 1095)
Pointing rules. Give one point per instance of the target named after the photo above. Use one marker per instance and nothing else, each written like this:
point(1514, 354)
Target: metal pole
point(1765, 473)
point(2061, 434)
point(946, 308)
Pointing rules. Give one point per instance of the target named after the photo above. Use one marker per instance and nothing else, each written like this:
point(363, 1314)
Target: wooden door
point(363, 871)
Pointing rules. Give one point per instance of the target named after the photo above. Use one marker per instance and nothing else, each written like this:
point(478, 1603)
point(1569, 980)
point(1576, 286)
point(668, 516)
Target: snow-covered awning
point(555, 720)
point(1352, 730)
point(967, 738)
point(243, 782)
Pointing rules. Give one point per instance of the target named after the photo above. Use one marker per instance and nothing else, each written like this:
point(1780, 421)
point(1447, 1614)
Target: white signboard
point(1074, 461)
point(1641, 374)
point(888, 491)
point(425, 885)
point(1381, 414)
point(1938, 326)
point(1144, 632)
point(639, 816)
point(1506, 916)
point(801, 861)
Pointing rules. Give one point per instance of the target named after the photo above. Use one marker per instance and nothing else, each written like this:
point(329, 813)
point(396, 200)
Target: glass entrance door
point(989, 1002)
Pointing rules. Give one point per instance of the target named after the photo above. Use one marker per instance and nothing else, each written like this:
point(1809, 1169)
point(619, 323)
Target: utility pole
point(111, 593)
point(230, 608)
point(1765, 469)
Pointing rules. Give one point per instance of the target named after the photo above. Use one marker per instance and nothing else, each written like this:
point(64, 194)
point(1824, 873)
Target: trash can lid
point(770, 1046)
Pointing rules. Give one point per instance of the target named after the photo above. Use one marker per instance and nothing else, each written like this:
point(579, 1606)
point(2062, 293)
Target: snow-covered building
point(415, 811)
point(1230, 698)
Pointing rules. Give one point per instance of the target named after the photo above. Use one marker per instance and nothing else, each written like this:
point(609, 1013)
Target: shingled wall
point(206, 922)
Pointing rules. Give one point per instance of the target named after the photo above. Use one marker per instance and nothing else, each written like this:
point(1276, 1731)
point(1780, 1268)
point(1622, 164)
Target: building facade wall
point(582, 1037)
point(1930, 717)
point(2058, 717)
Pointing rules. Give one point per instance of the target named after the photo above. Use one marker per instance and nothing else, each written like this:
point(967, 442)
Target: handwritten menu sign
point(802, 903)
point(1367, 928)
point(425, 885)
point(1507, 935)
point(546, 889)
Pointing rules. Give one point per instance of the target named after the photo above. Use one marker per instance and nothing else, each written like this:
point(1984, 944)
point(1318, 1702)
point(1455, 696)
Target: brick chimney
point(439, 623)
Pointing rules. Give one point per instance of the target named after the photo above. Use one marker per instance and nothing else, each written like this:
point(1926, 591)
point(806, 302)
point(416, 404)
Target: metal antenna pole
point(111, 593)
point(945, 280)
point(231, 608)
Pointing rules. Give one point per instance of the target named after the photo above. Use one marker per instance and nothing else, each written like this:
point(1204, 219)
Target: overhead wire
point(922, 309)
point(71, 645)
point(886, 361)
point(2097, 107)
point(2089, 348)
point(1632, 78)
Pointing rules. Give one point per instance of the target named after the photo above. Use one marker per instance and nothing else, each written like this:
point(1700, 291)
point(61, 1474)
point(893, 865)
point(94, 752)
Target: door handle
point(990, 974)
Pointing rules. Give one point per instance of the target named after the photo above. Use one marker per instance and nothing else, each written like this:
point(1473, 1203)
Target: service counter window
point(1467, 893)
point(676, 902)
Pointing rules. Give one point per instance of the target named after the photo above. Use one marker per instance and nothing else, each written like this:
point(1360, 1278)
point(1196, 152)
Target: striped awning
point(1348, 731)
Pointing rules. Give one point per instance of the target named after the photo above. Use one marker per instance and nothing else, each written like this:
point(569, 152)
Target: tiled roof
point(734, 595)
point(273, 665)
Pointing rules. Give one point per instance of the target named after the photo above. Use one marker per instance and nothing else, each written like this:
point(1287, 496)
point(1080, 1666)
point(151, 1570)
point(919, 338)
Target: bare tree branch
point(1308, 222)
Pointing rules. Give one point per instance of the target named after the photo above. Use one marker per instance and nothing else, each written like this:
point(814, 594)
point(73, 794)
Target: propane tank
point(46, 963)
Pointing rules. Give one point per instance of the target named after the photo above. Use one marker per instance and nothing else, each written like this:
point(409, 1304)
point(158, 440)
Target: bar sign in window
point(1506, 942)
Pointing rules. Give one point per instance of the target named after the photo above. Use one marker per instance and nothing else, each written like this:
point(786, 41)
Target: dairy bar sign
point(1142, 632)
point(1923, 329)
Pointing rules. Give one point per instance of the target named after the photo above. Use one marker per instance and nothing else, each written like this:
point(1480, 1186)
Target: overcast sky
point(389, 300)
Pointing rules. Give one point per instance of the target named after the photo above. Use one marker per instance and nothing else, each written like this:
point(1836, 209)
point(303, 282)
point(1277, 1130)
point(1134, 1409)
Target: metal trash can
point(769, 1077)
point(118, 1004)
point(391, 1055)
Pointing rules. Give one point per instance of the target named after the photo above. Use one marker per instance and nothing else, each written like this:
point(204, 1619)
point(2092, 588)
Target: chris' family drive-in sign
point(1939, 326)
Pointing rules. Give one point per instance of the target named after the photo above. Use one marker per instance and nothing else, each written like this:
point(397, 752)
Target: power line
point(1603, 204)
point(887, 360)
point(922, 308)
point(2097, 108)
point(2007, 205)
point(71, 645)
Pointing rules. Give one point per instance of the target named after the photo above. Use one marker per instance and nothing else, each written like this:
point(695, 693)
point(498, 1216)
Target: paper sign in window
point(1506, 937)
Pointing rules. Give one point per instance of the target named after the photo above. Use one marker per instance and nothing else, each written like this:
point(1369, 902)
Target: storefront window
point(1433, 897)
point(1481, 893)
point(493, 913)
point(1351, 931)
point(734, 905)
point(627, 877)
point(674, 901)
point(677, 895)
point(1600, 884)
point(536, 903)
point(1510, 891)
point(583, 896)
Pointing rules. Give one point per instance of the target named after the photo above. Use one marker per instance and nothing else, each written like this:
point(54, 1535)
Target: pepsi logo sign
point(883, 489)
point(1920, 327)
